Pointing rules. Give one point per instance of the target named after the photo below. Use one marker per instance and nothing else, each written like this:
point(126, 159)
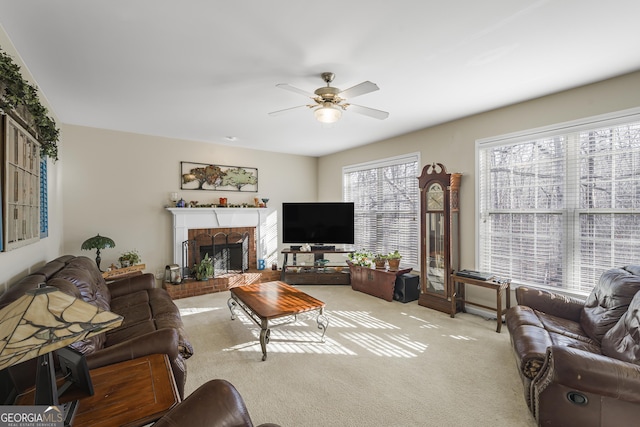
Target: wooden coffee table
point(276, 301)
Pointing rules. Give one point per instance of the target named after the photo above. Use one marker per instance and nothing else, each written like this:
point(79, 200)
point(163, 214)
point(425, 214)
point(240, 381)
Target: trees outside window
point(558, 206)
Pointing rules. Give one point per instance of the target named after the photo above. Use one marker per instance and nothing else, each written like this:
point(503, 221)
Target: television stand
point(320, 273)
point(324, 248)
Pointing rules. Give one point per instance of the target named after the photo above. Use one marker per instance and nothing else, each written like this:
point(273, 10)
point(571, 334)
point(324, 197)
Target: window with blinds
point(386, 198)
point(560, 205)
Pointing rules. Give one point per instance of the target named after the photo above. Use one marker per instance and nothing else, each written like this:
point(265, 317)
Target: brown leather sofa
point(216, 403)
point(152, 322)
point(579, 360)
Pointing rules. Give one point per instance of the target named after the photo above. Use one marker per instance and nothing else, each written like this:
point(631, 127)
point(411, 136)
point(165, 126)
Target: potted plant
point(380, 260)
point(394, 260)
point(204, 269)
point(18, 95)
point(129, 258)
point(361, 258)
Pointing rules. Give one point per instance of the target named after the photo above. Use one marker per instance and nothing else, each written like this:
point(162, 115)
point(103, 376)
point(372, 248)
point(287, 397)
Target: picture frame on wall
point(21, 185)
point(203, 176)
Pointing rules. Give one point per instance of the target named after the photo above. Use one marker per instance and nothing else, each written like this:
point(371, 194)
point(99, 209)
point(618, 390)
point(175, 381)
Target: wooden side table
point(498, 286)
point(123, 273)
point(131, 393)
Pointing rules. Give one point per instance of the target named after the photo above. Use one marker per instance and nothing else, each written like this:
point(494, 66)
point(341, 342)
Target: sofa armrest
point(162, 341)
point(549, 302)
point(129, 285)
point(215, 403)
point(590, 373)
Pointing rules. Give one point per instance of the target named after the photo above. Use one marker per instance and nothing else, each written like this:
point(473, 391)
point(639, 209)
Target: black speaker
point(407, 288)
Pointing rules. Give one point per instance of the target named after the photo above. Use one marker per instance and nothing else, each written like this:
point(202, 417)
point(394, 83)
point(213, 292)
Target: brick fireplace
point(189, 223)
point(232, 248)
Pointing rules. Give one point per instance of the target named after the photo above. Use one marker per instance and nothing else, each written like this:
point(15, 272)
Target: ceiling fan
point(330, 101)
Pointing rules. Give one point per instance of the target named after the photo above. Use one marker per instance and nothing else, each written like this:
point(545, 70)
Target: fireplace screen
point(229, 251)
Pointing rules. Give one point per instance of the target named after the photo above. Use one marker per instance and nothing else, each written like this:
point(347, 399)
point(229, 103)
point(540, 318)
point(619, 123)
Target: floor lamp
point(43, 320)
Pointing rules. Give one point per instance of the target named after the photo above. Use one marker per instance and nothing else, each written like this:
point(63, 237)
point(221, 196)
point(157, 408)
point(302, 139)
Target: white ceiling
point(206, 70)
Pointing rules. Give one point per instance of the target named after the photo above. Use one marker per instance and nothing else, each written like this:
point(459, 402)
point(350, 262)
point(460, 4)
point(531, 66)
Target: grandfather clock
point(439, 237)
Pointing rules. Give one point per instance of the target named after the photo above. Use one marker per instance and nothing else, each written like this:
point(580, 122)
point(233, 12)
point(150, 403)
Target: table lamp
point(43, 320)
point(98, 242)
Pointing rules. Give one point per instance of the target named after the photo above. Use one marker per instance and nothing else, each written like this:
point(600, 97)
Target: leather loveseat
point(580, 360)
point(152, 322)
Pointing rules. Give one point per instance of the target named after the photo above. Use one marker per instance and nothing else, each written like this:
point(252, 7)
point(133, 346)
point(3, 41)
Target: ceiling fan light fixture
point(331, 101)
point(328, 113)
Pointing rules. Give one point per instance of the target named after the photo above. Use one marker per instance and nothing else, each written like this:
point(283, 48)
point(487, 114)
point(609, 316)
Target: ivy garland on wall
point(18, 95)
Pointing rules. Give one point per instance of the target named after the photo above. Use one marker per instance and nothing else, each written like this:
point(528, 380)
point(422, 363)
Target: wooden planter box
point(378, 283)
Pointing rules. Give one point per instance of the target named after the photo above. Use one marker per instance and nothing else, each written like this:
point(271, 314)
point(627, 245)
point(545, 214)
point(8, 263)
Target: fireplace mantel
point(185, 219)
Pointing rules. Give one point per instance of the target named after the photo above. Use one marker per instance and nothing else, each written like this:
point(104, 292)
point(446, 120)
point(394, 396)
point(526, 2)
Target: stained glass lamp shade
point(98, 242)
point(41, 321)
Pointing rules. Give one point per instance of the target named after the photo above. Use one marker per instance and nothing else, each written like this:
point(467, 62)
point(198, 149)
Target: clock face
point(435, 197)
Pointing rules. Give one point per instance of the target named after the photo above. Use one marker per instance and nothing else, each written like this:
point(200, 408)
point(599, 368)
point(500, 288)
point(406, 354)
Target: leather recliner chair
point(216, 403)
point(579, 359)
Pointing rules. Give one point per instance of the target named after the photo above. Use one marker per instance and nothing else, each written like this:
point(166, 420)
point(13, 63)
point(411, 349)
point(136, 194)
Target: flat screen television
point(318, 223)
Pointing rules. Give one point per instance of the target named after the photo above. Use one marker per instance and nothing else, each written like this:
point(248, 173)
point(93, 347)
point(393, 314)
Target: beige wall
point(19, 262)
point(117, 184)
point(453, 143)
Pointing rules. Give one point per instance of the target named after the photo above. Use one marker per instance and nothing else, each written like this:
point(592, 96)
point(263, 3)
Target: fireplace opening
point(229, 251)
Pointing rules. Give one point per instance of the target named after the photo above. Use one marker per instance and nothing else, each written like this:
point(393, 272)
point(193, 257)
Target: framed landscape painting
point(203, 176)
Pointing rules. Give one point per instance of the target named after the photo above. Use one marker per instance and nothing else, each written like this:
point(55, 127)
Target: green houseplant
point(380, 260)
point(362, 258)
point(394, 260)
point(204, 269)
point(18, 95)
point(129, 258)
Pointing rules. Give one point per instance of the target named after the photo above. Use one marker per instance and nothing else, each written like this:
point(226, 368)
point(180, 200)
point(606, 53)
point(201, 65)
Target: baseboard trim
point(485, 314)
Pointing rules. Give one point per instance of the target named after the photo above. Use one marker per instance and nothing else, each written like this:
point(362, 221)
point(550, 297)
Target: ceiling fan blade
point(287, 86)
point(286, 110)
point(359, 89)
point(371, 112)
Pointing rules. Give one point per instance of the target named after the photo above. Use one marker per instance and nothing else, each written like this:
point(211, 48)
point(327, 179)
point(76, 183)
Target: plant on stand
point(18, 95)
point(129, 258)
point(394, 260)
point(380, 261)
point(204, 269)
point(361, 258)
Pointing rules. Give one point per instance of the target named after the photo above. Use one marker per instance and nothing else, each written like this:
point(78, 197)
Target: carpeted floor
point(382, 364)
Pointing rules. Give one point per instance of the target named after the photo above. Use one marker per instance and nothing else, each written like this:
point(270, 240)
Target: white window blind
point(386, 198)
point(558, 206)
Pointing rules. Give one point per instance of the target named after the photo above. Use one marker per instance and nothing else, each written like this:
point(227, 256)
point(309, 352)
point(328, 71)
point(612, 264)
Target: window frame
point(571, 214)
point(379, 164)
